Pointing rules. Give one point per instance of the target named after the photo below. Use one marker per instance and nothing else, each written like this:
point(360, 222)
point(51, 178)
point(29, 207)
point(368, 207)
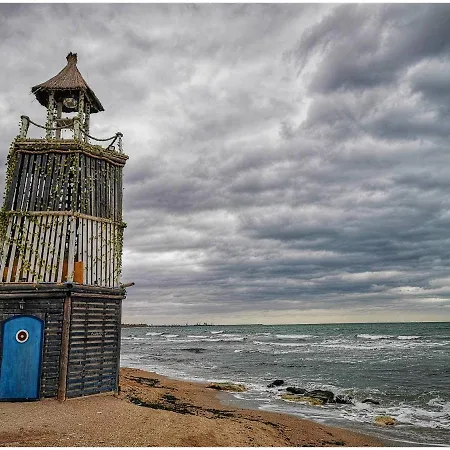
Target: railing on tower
point(79, 134)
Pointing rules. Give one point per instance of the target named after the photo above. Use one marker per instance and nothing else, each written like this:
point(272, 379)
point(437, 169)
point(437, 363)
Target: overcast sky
point(288, 163)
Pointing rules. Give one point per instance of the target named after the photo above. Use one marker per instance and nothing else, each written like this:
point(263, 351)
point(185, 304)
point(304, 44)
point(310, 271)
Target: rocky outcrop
point(303, 398)
point(276, 383)
point(295, 390)
point(227, 387)
point(315, 397)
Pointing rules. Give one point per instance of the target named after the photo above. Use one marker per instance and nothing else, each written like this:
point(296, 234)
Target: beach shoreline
point(153, 410)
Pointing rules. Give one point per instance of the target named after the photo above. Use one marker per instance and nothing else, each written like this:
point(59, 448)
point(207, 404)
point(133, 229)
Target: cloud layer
point(288, 163)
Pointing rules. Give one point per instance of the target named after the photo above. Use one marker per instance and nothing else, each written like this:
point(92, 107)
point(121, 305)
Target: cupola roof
point(69, 79)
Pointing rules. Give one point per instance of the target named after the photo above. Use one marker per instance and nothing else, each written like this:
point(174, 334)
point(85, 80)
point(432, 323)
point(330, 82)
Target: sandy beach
point(152, 410)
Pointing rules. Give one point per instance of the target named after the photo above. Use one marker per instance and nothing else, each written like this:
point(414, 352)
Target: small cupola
point(67, 92)
point(67, 84)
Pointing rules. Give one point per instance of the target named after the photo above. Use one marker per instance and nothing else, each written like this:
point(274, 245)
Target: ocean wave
point(194, 349)
point(171, 335)
point(217, 332)
point(374, 336)
point(293, 336)
point(231, 339)
point(153, 333)
point(280, 344)
point(408, 338)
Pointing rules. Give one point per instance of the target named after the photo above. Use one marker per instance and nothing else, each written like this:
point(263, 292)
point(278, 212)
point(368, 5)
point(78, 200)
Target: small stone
point(275, 383)
point(385, 420)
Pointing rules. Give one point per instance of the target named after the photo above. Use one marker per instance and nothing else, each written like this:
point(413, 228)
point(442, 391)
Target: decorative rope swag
point(73, 124)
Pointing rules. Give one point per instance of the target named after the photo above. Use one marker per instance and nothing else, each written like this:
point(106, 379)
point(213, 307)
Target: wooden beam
point(64, 359)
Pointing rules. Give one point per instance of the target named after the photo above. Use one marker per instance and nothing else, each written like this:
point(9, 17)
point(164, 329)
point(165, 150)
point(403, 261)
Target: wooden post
point(24, 126)
point(86, 121)
point(50, 115)
point(64, 358)
point(58, 116)
point(76, 128)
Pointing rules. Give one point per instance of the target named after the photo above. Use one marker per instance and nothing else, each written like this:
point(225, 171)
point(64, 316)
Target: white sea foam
point(153, 333)
point(374, 336)
point(281, 344)
point(217, 332)
point(231, 339)
point(408, 338)
point(293, 336)
point(171, 335)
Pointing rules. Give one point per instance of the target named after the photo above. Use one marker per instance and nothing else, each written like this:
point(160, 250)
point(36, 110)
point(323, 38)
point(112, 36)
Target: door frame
point(41, 355)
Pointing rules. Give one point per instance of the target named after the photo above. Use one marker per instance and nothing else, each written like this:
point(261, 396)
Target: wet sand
point(152, 410)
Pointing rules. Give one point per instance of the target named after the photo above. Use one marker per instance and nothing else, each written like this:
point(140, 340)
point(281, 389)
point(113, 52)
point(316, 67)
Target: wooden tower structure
point(61, 235)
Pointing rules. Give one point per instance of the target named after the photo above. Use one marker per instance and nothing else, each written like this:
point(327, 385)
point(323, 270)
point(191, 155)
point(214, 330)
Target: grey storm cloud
point(288, 162)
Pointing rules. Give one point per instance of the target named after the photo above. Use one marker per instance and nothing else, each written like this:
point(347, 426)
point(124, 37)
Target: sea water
point(403, 366)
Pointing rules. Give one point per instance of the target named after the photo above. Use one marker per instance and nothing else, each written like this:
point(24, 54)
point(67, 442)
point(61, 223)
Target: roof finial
point(72, 58)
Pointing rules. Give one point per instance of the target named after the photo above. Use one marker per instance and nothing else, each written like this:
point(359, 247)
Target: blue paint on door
point(20, 369)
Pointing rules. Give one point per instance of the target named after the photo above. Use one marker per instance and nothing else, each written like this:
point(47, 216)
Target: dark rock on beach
point(326, 396)
point(276, 383)
point(295, 390)
point(320, 395)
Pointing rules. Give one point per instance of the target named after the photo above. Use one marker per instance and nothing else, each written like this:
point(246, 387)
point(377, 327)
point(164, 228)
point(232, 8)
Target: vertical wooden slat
point(85, 252)
point(45, 244)
point(71, 257)
point(36, 177)
point(119, 204)
point(62, 248)
point(34, 245)
point(56, 249)
point(6, 245)
point(42, 248)
point(14, 237)
point(11, 188)
point(42, 182)
point(49, 178)
point(29, 247)
point(23, 244)
point(88, 182)
point(94, 192)
point(57, 184)
point(63, 206)
point(28, 183)
point(104, 255)
point(82, 184)
point(110, 256)
point(20, 181)
point(94, 251)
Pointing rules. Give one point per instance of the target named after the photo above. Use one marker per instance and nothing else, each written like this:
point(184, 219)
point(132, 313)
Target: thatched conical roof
point(69, 79)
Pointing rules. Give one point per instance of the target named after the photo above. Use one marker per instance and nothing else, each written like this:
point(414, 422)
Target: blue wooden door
point(20, 369)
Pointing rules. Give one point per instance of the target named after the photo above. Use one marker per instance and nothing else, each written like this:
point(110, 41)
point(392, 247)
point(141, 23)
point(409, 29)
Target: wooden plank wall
point(72, 222)
point(94, 345)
